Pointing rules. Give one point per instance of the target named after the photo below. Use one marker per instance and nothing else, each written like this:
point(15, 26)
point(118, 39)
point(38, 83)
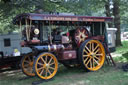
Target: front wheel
point(46, 66)
point(92, 55)
point(27, 64)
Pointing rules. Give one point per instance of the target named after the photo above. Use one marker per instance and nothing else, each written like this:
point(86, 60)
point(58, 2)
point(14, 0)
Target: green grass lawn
point(107, 75)
point(122, 53)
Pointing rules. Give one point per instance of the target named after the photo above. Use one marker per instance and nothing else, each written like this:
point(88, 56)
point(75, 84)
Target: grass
point(122, 52)
point(123, 48)
point(107, 75)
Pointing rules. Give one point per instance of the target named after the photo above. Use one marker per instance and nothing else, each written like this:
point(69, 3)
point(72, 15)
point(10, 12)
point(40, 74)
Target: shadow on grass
point(24, 78)
point(41, 81)
point(125, 55)
point(66, 71)
point(122, 59)
point(62, 72)
point(8, 69)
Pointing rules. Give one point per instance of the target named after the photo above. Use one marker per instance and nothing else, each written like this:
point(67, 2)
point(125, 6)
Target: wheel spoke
point(42, 59)
point(27, 65)
point(40, 63)
point(93, 62)
point(99, 54)
point(46, 58)
point(90, 46)
point(96, 47)
point(49, 72)
point(31, 69)
point(97, 51)
point(86, 59)
point(26, 61)
point(46, 72)
point(78, 36)
point(51, 68)
point(87, 49)
point(41, 71)
point(97, 58)
point(50, 61)
point(90, 63)
point(40, 68)
point(85, 55)
point(96, 62)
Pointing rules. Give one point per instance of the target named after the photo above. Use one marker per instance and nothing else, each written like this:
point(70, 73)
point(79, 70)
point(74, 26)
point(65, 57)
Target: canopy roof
point(64, 18)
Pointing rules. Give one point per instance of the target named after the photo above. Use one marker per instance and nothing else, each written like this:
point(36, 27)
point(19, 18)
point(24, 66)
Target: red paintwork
point(23, 43)
point(99, 37)
point(67, 55)
point(49, 17)
point(35, 41)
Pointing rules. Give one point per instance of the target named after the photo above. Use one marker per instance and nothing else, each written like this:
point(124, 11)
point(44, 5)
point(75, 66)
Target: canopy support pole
point(27, 35)
point(101, 28)
point(50, 34)
point(93, 29)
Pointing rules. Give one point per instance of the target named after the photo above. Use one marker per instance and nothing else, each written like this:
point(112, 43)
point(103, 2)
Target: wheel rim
point(93, 55)
point(27, 64)
point(46, 66)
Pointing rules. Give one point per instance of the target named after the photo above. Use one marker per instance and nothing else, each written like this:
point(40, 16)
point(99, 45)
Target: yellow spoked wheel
point(27, 64)
point(46, 66)
point(92, 55)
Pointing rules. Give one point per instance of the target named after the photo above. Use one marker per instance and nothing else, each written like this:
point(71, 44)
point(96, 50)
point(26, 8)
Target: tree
point(108, 10)
point(116, 13)
point(10, 8)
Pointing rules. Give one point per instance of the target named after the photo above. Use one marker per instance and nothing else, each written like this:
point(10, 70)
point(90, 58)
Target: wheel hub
point(92, 54)
point(46, 65)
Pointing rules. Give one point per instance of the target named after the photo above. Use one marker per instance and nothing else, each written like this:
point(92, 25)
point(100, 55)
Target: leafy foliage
point(10, 8)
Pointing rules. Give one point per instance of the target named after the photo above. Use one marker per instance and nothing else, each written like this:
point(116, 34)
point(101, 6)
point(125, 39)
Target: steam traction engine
point(69, 40)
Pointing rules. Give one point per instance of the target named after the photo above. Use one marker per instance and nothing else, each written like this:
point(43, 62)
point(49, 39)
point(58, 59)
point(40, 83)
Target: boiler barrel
point(49, 47)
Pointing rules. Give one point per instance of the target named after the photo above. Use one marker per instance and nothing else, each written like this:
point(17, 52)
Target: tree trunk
point(116, 13)
point(108, 11)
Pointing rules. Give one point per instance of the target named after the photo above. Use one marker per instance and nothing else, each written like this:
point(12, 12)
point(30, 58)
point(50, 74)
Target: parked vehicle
point(68, 39)
point(10, 50)
point(111, 38)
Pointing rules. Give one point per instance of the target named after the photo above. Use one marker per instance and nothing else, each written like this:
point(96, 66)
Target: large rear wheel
point(27, 64)
point(46, 66)
point(92, 55)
